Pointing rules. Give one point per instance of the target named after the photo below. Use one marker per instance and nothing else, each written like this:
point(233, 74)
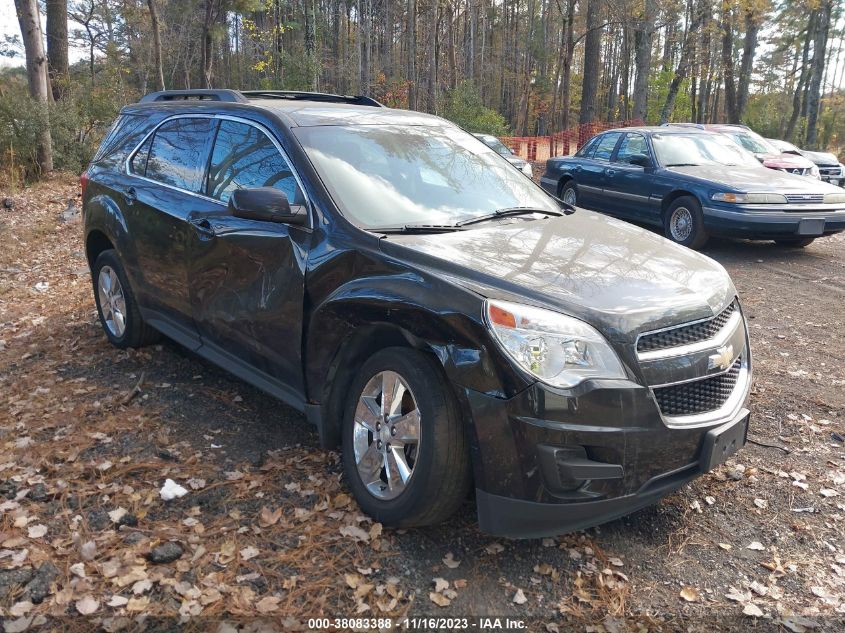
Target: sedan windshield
point(699, 149)
point(496, 145)
point(754, 143)
point(391, 175)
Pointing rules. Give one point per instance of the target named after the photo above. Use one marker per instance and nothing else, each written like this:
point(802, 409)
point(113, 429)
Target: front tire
point(683, 223)
point(405, 453)
point(116, 305)
point(800, 242)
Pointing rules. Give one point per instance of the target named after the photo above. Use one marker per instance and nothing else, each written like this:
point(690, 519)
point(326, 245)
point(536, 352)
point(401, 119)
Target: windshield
point(754, 143)
point(496, 145)
point(699, 149)
point(393, 175)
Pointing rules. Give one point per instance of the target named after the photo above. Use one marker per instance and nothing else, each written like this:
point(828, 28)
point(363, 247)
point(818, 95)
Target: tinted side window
point(126, 133)
point(632, 145)
point(179, 152)
point(244, 158)
point(605, 145)
point(138, 164)
point(587, 149)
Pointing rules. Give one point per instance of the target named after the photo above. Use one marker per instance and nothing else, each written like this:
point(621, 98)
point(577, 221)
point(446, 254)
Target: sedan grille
point(699, 396)
point(805, 198)
point(835, 170)
point(685, 334)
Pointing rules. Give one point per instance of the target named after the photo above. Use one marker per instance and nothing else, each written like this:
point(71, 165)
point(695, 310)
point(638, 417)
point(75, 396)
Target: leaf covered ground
point(266, 531)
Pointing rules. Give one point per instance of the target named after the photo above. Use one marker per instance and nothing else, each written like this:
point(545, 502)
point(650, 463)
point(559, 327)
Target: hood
point(755, 179)
point(821, 158)
point(785, 161)
point(621, 279)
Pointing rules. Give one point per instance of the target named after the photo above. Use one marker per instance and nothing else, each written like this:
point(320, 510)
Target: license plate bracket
point(811, 226)
point(723, 441)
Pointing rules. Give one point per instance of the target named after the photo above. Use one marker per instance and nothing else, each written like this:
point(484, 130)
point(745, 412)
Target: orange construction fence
point(563, 143)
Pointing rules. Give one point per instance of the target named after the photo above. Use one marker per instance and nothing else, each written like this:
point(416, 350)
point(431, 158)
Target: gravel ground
point(88, 434)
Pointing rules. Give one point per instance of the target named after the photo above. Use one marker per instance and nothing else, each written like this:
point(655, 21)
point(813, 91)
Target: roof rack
point(324, 97)
point(232, 96)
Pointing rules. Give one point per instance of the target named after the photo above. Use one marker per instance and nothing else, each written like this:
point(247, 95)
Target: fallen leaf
point(757, 546)
point(439, 599)
point(87, 605)
point(450, 561)
point(36, 531)
point(267, 604)
point(752, 610)
point(20, 608)
point(690, 594)
point(725, 546)
point(616, 562)
point(519, 597)
point(440, 584)
point(355, 533)
point(249, 552)
point(494, 548)
point(269, 517)
point(117, 601)
point(117, 514)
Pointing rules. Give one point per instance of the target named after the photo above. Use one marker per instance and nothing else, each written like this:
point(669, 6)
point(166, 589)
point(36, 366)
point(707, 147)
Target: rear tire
point(800, 242)
point(683, 223)
point(569, 193)
point(116, 305)
point(431, 473)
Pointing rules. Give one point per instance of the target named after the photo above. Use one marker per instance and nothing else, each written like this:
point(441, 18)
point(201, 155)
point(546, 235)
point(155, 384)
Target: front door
point(247, 276)
point(591, 177)
point(628, 186)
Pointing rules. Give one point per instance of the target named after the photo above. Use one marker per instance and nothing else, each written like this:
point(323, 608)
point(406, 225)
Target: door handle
point(130, 195)
point(610, 172)
point(204, 227)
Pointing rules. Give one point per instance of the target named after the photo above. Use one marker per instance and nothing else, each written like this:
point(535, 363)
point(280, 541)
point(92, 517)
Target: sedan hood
point(821, 158)
point(786, 161)
point(621, 279)
point(754, 179)
point(516, 161)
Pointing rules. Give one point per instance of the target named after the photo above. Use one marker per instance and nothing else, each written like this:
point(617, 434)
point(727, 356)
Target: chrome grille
point(698, 396)
point(805, 198)
point(685, 334)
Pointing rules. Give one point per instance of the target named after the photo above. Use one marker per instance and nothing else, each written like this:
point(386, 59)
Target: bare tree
point(57, 43)
point(643, 43)
point(36, 72)
point(154, 25)
point(592, 62)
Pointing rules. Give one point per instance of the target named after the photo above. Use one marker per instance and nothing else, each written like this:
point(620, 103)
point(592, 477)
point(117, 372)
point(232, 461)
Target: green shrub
point(463, 106)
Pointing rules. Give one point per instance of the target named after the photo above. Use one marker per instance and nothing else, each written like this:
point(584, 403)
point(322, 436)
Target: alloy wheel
point(386, 435)
point(570, 197)
point(112, 301)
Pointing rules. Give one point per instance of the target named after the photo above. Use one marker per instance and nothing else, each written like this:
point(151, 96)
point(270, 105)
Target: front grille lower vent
point(699, 396)
point(685, 334)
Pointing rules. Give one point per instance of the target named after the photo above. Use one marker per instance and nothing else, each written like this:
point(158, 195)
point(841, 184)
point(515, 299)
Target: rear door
point(165, 189)
point(591, 176)
point(247, 276)
point(628, 186)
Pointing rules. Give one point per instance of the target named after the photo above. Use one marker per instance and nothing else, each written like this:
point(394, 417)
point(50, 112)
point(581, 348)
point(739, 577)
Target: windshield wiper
point(416, 228)
point(508, 211)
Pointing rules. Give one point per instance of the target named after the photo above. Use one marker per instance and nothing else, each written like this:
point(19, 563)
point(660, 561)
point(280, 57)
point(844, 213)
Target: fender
point(399, 307)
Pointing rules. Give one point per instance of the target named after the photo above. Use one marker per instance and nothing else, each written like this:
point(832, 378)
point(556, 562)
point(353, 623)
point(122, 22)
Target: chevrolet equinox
point(430, 309)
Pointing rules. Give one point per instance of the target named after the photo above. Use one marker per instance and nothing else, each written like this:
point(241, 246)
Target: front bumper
point(794, 220)
point(549, 462)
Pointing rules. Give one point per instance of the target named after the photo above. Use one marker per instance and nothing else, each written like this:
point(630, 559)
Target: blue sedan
point(694, 184)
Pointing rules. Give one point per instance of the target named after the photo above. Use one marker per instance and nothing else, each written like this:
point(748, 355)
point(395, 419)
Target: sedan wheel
point(570, 195)
point(680, 224)
point(386, 435)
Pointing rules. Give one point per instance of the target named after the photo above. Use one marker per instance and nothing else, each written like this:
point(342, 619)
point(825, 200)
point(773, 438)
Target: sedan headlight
point(834, 198)
point(749, 198)
point(527, 170)
point(815, 173)
point(557, 349)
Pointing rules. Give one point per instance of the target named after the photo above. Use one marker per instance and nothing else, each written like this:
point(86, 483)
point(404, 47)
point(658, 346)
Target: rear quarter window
point(123, 136)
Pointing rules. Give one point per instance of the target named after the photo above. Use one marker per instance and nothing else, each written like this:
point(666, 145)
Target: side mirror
point(640, 159)
point(266, 204)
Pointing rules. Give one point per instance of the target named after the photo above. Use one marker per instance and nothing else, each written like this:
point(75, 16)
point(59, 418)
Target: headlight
point(559, 350)
point(527, 170)
point(814, 172)
point(749, 198)
point(834, 198)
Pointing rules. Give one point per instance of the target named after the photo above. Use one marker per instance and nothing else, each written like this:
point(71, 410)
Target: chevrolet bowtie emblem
point(722, 359)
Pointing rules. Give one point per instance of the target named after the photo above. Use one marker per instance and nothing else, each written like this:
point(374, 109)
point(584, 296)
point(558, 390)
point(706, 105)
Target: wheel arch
point(674, 195)
point(95, 243)
point(561, 183)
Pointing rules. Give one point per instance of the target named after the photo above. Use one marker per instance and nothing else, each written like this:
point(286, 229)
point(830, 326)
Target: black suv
point(429, 309)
